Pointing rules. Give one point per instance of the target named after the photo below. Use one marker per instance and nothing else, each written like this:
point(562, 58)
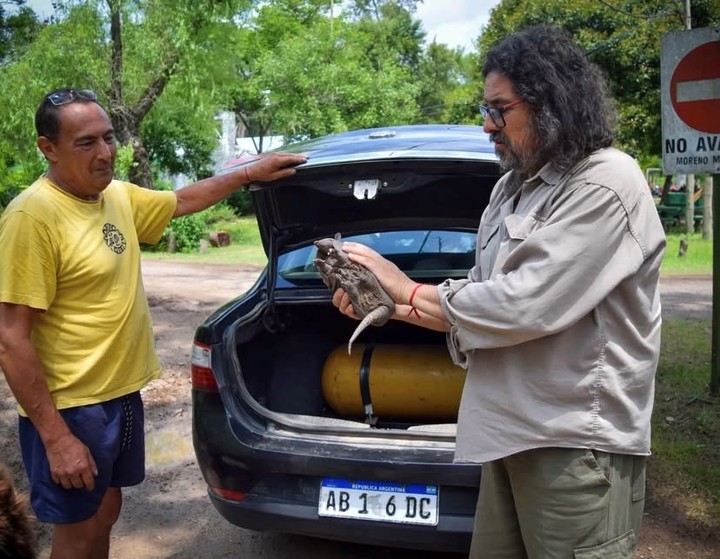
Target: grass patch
point(245, 248)
point(684, 470)
point(697, 261)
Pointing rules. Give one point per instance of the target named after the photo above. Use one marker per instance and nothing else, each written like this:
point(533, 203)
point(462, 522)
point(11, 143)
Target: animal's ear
point(337, 236)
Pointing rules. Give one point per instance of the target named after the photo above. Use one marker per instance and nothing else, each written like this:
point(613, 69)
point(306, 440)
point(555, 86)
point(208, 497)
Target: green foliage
point(373, 9)
point(179, 138)
point(395, 35)
point(123, 162)
point(18, 29)
point(219, 213)
point(67, 55)
point(15, 179)
point(460, 106)
point(244, 230)
point(163, 184)
point(162, 88)
point(445, 92)
point(187, 230)
point(685, 466)
point(287, 67)
point(334, 83)
point(326, 75)
point(241, 202)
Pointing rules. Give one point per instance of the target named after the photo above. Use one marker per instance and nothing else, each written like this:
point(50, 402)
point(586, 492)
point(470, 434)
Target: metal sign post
point(715, 351)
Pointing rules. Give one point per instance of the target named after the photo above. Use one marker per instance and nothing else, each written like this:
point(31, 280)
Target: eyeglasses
point(496, 113)
point(69, 95)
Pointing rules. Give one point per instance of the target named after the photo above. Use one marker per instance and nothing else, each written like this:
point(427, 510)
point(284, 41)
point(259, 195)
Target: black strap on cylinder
point(370, 418)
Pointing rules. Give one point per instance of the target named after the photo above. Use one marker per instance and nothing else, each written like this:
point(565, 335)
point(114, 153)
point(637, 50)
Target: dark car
point(291, 432)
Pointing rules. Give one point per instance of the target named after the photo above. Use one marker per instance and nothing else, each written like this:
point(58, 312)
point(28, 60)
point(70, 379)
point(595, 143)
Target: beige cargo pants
point(557, 503)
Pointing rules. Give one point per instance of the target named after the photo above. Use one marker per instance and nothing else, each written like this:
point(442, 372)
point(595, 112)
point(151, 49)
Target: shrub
point(191, 229)
point(123, 162)
point(188, 231)
point(241, 202)
point(15, 179)
point(221, 212)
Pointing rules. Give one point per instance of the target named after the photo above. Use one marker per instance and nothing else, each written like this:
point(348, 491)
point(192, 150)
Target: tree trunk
point(126, 120)
point(707, 232)
point(690, 204)
point(141, 170)
point(665, 189)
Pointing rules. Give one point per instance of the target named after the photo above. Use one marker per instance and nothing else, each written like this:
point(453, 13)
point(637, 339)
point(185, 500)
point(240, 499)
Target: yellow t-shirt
point(79, 262)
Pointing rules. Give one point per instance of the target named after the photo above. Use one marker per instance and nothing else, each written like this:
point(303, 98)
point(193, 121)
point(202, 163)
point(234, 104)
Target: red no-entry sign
point(690, 94)
point(695, 88)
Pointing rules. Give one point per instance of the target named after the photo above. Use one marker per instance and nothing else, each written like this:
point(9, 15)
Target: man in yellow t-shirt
point(76, 340)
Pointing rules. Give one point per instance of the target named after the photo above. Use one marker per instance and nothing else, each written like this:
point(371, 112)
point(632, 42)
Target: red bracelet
point(410, 301)
point(413, 292)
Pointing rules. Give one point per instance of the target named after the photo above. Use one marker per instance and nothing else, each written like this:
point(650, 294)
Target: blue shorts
point(114, 433)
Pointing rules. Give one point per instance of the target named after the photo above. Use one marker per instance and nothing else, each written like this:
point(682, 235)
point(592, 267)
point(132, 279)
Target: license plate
point(380, 501)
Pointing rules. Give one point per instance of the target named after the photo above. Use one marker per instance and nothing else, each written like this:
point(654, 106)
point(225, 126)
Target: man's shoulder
point(616, 171)
point(613, 169)
point(612, 156)
point(140, 201)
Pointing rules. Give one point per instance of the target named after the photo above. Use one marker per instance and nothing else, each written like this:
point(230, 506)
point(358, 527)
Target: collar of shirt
point(549, 174)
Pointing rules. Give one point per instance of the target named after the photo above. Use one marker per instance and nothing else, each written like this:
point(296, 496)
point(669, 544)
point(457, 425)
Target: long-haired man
point(558, 322)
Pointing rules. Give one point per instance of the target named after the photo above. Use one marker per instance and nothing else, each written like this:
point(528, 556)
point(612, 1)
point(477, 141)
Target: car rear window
point(420, 253)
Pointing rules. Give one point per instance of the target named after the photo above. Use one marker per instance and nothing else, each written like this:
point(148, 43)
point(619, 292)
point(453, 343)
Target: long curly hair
point(16, 538)
point(572, 110)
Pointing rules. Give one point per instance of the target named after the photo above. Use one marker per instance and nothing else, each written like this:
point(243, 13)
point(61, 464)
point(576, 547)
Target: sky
point(456, 23)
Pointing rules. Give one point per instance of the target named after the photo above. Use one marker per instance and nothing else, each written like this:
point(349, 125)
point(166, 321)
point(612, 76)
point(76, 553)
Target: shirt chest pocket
point(519, 227)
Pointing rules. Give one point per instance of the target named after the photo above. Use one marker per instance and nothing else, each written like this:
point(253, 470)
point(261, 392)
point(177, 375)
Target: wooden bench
point(672, 212)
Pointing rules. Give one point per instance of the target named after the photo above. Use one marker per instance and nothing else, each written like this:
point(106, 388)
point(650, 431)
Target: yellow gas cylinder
point(397, 381)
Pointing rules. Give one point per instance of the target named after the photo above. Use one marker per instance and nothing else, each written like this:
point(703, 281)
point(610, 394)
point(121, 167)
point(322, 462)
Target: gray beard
point(512, 159)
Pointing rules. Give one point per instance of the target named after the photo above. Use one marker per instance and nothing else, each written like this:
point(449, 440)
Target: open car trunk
point(413, 194)
point(294, 360)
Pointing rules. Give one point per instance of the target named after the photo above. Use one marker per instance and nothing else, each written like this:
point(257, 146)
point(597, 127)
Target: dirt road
point(170, 516)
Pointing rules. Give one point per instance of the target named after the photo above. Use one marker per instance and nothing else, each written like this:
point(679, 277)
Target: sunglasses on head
point(69, 95)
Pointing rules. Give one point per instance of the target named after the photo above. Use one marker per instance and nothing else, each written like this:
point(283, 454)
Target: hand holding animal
point(370, 301)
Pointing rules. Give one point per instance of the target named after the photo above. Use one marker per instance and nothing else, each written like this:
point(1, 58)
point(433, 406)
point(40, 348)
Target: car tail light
point(201, 372)
point(228, 494)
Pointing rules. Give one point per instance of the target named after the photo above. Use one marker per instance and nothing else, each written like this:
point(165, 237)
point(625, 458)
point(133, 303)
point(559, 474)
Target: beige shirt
point(559, 321)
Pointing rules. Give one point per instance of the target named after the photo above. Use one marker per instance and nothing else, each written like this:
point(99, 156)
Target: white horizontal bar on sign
point(699, 90)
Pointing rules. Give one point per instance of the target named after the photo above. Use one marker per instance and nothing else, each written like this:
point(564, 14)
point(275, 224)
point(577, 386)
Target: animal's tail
point(16, 540)
point(370, 317)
